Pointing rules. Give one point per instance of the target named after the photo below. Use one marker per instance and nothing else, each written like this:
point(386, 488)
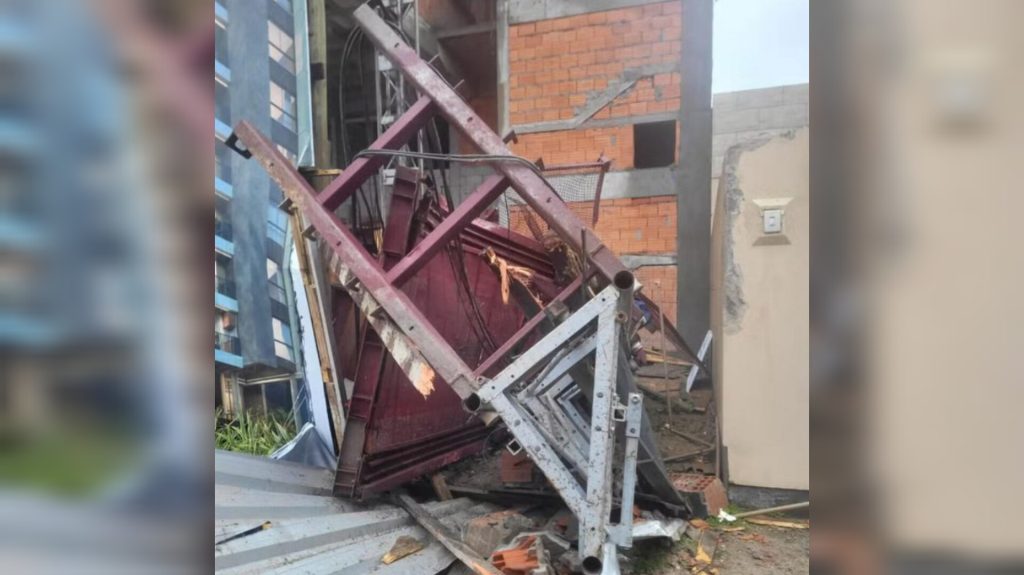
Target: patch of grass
point(68, 464)
point(654, 556)
point(731, 510)
point(258, 435)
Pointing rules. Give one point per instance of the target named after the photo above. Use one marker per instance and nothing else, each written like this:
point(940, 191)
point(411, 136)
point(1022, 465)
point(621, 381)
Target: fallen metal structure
point(560, 380)
point(394, 433)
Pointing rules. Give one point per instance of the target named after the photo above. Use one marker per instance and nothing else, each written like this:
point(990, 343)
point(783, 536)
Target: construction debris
point(485, 533)
point(463, 335)
point(709, 489)
point(439, 531)
point(780, 523)
point(403, 547)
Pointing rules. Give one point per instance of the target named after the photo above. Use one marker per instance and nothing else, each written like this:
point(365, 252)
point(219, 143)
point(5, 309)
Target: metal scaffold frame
point(584, 352)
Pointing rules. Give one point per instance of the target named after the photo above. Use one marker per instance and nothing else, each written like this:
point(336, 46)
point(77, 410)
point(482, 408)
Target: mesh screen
point(576, 187)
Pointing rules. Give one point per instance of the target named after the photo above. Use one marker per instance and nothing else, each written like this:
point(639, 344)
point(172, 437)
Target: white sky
point(759, 43)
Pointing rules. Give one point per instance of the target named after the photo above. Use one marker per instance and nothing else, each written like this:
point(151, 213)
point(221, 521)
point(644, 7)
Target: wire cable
point(465, 158)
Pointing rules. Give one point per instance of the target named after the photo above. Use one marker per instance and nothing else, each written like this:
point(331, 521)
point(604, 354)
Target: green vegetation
point(655, 556)
point(75, 464)
point(255, 434)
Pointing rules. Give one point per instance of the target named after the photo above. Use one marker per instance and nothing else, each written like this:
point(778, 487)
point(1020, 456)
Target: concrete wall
point(760, 300)
point(751, 115)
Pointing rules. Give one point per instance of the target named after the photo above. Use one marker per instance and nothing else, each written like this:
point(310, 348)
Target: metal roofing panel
point(311, 531)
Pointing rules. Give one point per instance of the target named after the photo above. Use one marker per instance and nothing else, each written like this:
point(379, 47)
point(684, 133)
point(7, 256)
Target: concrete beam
point(636, 261)
point(693, 204)
point(598, 100)
point(521, 11)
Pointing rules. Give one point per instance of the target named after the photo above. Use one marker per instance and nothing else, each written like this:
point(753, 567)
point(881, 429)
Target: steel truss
point(568, 396)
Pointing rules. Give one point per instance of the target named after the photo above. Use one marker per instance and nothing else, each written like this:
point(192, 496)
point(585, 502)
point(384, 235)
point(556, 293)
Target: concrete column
point(693, 201)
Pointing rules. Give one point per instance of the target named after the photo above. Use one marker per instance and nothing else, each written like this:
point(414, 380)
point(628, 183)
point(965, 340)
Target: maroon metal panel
point(469, 209)
point(394, 434)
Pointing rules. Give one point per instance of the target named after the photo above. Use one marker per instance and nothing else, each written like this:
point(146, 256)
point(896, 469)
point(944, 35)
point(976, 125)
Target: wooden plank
point(441, 487)
point(327, 369)
point(464, 552)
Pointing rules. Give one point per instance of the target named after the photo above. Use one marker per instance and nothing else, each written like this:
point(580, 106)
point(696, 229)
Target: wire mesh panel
point(579, 186)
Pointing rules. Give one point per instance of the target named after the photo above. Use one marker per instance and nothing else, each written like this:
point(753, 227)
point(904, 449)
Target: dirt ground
point(764, 550)
point(756, 550)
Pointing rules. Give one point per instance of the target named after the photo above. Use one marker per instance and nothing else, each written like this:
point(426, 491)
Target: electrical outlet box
point(772, 221)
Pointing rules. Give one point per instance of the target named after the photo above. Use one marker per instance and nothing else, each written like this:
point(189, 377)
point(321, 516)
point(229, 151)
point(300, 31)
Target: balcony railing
point(225, 286)
point(228, 343)
point(224, 229)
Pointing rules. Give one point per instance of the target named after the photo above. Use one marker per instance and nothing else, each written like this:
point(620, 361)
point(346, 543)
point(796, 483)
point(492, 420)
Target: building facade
point(257, 356)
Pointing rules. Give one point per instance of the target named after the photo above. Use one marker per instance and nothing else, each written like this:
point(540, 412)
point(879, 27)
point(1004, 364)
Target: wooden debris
point(655, 357)
point(706, 546)
point(460, 550)
point(700, 524)
point(403, 547)
point(779, 523)
point(441, 487)
point(754, 537)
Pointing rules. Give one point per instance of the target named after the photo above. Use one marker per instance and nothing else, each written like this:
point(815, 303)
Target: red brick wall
point(554, 65)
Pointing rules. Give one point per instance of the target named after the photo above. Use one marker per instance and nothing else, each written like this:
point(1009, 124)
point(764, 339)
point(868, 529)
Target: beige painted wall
point(760, 313)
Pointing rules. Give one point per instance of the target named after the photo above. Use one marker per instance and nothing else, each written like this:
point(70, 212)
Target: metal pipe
point(780, 508)
point(625, 283)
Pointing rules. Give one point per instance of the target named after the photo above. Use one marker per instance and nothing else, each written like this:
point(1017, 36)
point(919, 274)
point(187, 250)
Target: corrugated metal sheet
point(311, 531)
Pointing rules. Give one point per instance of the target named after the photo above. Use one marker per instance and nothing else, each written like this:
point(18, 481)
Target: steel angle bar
point(573, 423)
point(568, 439)
point(548, 345)
point(570, 409)
point(602, 435)
point(532, 440)
point(622, 534)
point(579, 442)
point(558, 434)
point(573, 356)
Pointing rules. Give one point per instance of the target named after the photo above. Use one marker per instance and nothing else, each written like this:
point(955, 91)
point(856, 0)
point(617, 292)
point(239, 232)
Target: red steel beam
point(534, 190)
point(450, 227)
point(404, 314)
point(342, 187)
point(526, 330)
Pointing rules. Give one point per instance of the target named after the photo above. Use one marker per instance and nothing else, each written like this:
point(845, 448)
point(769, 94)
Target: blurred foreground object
point(97, 374)
point(917, 275)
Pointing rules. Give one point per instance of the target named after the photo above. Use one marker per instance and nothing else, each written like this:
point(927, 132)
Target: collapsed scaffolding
point(556, 370)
